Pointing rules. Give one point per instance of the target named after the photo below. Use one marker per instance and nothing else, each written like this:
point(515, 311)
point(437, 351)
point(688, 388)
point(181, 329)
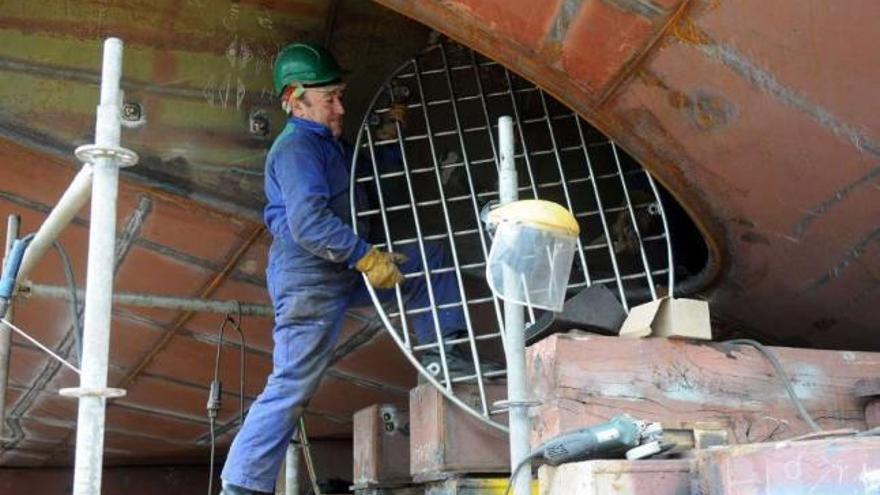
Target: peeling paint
point(804, 379)
point(838, 196)
point(619, 390)
point(568, 9)
point(642, 8)
point(871, 481)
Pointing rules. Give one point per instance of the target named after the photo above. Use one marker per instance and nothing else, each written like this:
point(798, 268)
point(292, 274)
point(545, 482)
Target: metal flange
point(107, 393)
point(89, 153)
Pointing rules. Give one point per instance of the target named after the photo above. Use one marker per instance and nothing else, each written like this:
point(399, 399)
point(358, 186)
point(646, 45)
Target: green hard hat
point(308, 64)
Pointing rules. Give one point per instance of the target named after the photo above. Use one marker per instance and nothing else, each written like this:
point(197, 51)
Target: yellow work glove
point(381, 269)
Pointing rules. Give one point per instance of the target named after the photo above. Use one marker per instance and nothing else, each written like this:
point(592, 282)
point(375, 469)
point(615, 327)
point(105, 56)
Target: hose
point(780, 372)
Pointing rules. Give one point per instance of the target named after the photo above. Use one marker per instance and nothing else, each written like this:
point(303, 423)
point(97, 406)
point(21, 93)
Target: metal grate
point(443, 172)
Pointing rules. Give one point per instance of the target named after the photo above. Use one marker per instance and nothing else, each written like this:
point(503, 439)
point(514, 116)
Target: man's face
point(323, 106)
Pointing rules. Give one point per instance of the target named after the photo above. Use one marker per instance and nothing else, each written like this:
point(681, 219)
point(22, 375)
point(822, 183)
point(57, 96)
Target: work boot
point(458, 361)
point(229, 489)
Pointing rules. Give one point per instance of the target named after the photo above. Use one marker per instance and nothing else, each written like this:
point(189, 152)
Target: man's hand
point(380, 267)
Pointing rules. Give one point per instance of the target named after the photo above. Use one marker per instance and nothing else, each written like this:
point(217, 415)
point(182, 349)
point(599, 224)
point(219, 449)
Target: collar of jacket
point(312, 126)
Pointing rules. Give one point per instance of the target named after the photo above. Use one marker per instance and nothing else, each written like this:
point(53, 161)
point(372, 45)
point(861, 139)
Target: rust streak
point(851, 256)
point(642, 8)
point(209, 289)
point(568, 10)
point(637, 60)
point(688, 32)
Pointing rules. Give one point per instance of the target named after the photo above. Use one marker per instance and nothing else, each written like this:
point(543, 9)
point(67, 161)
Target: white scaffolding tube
point(156, 301)
point(72, 201)
point(12, 231)
point(106, 157)
point(514, 328)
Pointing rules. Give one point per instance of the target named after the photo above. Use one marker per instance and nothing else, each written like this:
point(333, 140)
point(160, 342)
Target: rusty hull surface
point(762, 119)
point(164, 359)
point(189, 213)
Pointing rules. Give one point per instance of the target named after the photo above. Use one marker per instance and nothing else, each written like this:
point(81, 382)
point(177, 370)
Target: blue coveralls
point(311, 282)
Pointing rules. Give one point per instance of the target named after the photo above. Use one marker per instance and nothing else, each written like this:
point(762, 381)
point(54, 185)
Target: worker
point(315, 266)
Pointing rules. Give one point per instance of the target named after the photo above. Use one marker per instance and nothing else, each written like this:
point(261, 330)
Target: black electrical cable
point(212, 424)
point(241, 367)
point(74, 305)
point(780, 372)
point(516, 470)
point(214, 400)
point(216, 389)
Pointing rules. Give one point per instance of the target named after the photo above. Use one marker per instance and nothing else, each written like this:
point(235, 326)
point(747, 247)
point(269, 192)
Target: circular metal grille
point(427, 160)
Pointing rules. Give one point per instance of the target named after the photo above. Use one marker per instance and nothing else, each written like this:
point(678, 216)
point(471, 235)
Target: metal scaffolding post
point(106, 157)
point(291, 470)
point(12, 231)
point(514, 328)
point(155, 301)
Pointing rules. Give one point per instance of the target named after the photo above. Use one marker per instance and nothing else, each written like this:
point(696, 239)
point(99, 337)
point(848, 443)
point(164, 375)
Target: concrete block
point(444, 439)
point(582, 380)
point(616, 477)
point(381, 446)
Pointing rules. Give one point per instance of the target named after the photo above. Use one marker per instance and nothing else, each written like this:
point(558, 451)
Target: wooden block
point(668, 477)
point(872, 414)
point(472, 486)
point(399, 490)
point(444, 439)
point(840, 465)
point(582, 380)
point(381, 446)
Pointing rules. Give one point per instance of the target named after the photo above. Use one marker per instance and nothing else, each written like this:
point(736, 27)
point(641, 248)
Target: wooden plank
point(381, 446)
point(446, 440)
point(832, 465)
point(614, 477)
point(585, 379)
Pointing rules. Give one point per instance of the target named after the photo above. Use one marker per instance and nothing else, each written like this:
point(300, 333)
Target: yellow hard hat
point(537, 213)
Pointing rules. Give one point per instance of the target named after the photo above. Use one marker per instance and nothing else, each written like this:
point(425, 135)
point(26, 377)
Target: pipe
point(291, 469)
point(99, 280)
point(154, 301)
point(13, 225)
point(514, 329)
point(72, 201)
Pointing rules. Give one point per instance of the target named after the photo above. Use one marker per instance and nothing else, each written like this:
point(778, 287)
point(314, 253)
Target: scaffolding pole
point(13, 225)
point(156, 301)
point(514, 328)
point(106, 157)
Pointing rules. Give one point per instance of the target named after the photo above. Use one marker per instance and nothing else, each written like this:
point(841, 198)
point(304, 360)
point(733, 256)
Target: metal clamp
point(89, 153)
point(106, 392)
point(505, 405)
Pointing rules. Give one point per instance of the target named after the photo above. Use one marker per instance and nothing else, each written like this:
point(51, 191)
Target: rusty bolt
point(132, 112)
point(259, 124)
point(400, 92)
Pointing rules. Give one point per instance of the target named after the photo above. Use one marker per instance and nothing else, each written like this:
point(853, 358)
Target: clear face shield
point(532, 253)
